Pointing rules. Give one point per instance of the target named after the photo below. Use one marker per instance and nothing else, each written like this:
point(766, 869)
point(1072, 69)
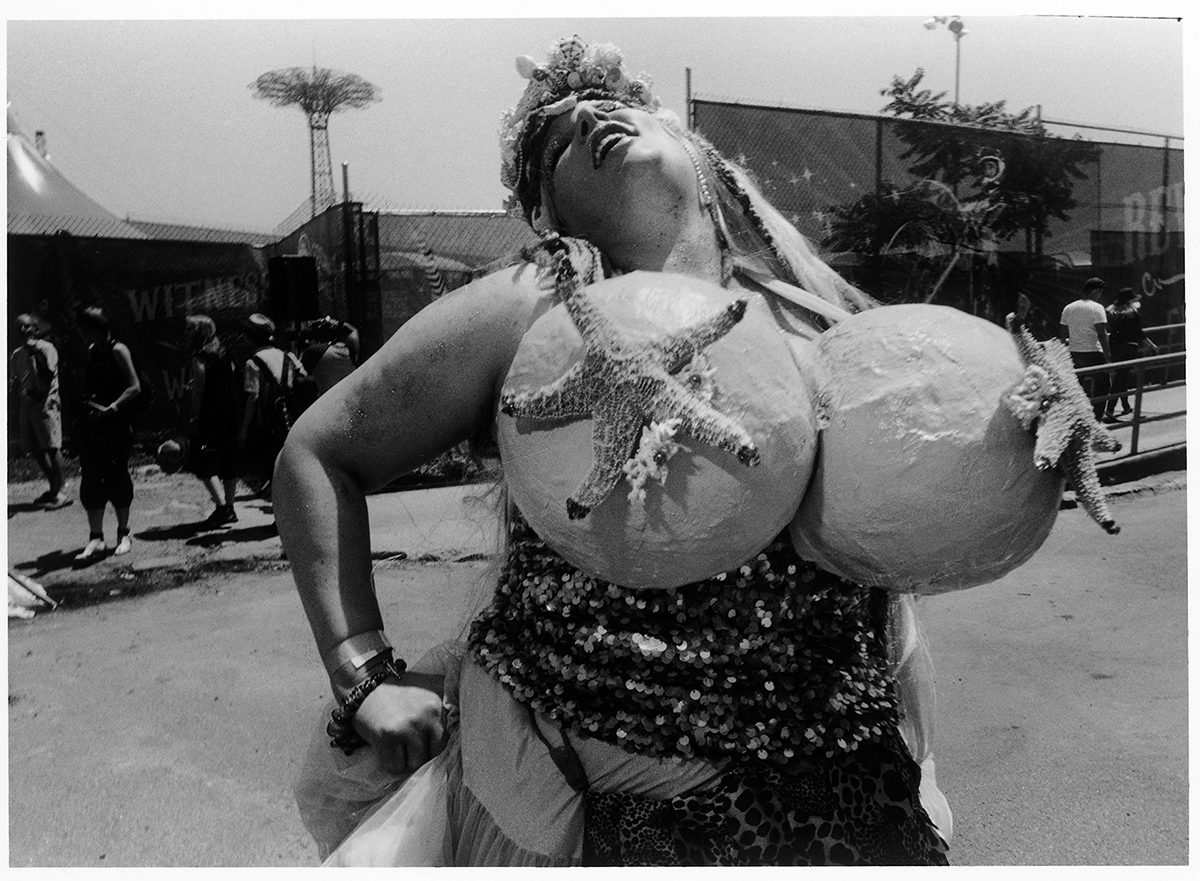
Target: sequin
point(774, 659)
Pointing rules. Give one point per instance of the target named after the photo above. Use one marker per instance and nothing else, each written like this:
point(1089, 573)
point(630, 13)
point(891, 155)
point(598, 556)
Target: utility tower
point(319, 92)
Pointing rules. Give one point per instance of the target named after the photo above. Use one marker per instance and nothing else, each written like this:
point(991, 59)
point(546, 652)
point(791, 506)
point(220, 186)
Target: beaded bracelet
point(341, 721)
point(345, 678)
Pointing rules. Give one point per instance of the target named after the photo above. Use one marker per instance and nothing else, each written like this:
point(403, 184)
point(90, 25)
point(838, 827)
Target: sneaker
point(58, 501)
point(1110, 419)
point(93, 549)
point(124, 546)
point(222, 515)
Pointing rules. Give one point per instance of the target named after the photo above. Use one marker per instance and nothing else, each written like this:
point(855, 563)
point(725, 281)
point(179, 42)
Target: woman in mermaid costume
point(660, 678)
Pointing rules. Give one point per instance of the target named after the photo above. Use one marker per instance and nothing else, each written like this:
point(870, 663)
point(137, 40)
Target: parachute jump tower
point(319, 92)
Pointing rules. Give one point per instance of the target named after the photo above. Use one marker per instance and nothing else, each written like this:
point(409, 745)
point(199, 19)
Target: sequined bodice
point(774, 659)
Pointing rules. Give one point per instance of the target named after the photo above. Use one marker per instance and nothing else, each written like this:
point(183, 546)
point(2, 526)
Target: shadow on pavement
point(57, 561)
point(16, 508)
point(173, 532)
point(265, 532)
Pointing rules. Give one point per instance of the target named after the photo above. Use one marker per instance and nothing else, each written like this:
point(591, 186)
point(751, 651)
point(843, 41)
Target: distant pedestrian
point(1020, 316)
point(269, 380)
point(1084, 325)
point(103, 433)
point(330, 353)
point(1127, 340)
point(212, 418)
point(33, 376)
point(1028, 316)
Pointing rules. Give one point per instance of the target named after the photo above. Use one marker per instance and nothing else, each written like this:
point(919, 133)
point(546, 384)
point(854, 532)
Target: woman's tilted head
point(603, 166)
point(574, 72)
point(589, 152)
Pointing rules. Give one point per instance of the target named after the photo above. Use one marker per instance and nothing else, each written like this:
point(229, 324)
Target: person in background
point(213, 413)
point(1084, 327)
point(270, 369)
point(1021, 315)
point(104, 433)
point(33, 375)
point(1127, 340)
point(331, 352)
point(1030, 317)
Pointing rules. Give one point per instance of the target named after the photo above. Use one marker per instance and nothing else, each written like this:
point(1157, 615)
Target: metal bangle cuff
point(357, 648)
point(349, 675)
point(341, 722)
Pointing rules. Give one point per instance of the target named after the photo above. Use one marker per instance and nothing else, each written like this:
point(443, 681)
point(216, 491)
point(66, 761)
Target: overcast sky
point(155, 120)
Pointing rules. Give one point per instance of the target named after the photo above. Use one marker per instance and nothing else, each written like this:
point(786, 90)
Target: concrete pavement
point(166, 729)
point(171, 547)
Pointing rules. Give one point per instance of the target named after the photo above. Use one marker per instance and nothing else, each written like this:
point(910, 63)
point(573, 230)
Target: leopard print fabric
point(858, 809)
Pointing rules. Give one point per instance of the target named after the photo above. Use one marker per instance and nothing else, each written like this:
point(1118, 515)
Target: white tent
point(41, 201)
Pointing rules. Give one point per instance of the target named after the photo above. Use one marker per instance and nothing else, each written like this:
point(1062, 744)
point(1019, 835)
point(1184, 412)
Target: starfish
point(1067, 430)
point(624, 383)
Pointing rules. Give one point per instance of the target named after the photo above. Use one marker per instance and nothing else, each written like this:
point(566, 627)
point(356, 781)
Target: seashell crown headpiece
point(574, 70)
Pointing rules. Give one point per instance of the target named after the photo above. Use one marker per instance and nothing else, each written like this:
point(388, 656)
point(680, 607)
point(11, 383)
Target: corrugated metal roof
point(84, 227)
point(187, 233)
point(473, 238)
point(392, 260)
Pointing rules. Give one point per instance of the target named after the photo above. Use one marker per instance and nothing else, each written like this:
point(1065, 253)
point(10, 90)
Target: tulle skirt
point(498, 794)
point(495, 796)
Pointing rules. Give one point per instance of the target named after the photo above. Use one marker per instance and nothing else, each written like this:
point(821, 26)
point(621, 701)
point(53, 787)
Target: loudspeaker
point(292, 282)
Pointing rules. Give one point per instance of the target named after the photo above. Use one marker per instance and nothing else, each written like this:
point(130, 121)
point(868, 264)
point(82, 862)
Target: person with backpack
point(331, 352)
point(212, 424)
point(103, 433)
point(270, 380)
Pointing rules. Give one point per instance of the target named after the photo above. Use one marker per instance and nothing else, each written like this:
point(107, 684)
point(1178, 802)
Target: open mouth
point(605, 139)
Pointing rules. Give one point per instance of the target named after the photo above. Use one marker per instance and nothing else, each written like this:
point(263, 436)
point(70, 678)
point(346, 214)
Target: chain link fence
point(864, 189)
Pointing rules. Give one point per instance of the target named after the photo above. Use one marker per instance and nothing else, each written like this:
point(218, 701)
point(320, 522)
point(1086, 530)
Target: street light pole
point(956, 28)
point(955, 25)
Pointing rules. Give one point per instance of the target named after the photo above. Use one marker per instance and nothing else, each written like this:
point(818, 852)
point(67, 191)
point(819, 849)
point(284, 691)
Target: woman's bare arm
point(132, 384)
point(432, 385)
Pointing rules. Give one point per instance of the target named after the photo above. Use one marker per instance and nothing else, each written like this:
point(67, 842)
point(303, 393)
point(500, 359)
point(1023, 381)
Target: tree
point(981, 176)
point(923, 228)
point(319, 92)
point(1036, 169)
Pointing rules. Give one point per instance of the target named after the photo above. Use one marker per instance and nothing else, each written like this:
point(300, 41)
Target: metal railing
point(1168, 336)
point(1153, 374)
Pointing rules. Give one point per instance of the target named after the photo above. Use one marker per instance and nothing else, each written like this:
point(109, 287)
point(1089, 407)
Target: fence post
point(1137, 409)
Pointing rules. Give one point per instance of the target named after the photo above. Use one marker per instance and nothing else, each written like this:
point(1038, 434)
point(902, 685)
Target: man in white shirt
point(1084, 326)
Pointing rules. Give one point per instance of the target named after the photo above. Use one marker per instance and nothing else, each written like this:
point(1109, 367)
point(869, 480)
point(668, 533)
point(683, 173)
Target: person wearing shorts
point(33, 374)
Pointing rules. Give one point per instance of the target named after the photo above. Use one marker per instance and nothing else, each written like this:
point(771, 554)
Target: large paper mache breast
point(656, 430)
point(926, 481)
